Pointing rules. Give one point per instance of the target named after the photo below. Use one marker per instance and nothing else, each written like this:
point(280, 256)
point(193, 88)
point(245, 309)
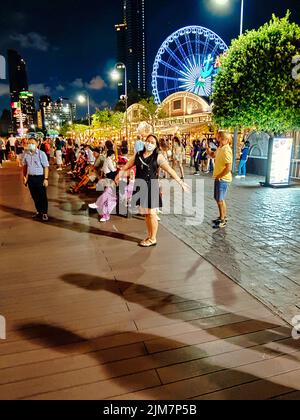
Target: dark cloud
point(32, 40)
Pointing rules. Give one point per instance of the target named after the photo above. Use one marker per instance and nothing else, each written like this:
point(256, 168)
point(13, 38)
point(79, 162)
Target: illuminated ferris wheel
point(187, 61)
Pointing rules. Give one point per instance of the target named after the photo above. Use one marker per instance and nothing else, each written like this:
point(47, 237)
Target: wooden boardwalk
point(90, 315)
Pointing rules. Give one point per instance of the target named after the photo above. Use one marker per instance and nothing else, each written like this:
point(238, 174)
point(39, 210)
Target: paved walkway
point(90, 315)
point(260, 248)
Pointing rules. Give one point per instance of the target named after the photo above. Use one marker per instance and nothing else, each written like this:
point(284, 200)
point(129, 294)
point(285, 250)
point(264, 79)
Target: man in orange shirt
point(222, 175)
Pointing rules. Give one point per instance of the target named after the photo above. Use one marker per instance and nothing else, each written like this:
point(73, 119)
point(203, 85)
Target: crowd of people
point(104, 167)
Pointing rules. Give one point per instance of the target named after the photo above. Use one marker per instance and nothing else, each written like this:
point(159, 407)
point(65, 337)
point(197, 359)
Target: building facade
point(131, 46)
point(22, 101)
point(56, 114)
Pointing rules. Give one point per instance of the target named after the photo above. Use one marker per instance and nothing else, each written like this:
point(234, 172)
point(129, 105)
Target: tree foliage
point(107, 119)
point(151, 112)
point(255, 87)
point(77, 129)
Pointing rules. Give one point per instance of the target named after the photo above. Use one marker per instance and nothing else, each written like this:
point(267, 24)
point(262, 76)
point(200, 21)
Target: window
point(177, 105)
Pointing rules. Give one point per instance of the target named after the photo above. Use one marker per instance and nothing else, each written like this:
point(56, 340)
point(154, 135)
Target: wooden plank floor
point(90, 315)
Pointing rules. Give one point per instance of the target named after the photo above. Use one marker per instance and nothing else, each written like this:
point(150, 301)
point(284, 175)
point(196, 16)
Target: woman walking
point(178, 156)
point(147, 163)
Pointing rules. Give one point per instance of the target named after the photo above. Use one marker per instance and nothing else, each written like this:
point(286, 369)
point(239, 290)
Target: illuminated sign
point(16, 105)
point(26, 94)
point(280, 161)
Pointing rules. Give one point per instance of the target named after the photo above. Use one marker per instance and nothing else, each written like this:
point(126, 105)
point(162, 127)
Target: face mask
point(150, 147)
point(139, 146)
point(32, 147)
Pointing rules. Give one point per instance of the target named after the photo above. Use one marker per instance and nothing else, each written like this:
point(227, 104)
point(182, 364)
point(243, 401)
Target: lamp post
point(82, 98)
point(242, 17)
point(223, 3)
point(235, 136)
point(115, 75)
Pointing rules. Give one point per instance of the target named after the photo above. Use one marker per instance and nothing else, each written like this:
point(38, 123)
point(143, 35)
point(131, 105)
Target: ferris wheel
point(188, 60)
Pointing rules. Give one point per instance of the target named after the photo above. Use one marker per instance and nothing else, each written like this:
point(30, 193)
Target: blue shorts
point(221, 189)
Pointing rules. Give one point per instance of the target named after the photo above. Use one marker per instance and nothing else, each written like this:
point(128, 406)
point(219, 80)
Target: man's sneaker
point(45, 218)
point(238, 177)
point(243, 176)
point(37, 216)
point(221, 225)
point(196, 173)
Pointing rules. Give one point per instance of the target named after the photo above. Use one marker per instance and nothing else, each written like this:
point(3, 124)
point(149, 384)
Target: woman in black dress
point(147, 193)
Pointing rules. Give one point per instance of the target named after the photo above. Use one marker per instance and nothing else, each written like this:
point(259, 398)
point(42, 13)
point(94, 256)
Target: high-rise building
point(121, 53)
point(132, 44)
point(18, 81)
point(22, 101)
point(55, 114)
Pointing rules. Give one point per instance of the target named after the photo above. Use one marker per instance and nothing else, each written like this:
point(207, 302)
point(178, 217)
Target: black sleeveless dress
point(146, 190)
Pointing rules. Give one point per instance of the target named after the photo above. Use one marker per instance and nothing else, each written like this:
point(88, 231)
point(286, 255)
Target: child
point(105, 204)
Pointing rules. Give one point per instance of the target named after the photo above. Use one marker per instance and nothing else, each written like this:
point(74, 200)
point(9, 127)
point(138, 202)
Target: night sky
point(70, 46)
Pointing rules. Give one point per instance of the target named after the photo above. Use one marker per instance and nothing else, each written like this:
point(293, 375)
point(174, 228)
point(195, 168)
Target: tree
point(117, 120)
point(101, 118)
point(77, 129)
point(107, 119)
point(255, 87)
point(151, 112)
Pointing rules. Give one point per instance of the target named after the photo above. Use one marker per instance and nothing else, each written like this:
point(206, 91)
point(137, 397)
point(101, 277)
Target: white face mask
point(150, 147)
point(32, 147)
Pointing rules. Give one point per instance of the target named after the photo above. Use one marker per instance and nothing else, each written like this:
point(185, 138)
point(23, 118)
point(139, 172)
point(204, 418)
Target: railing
point(295, 173)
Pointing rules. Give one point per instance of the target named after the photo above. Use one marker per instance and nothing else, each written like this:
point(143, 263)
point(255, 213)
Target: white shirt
point(109, 166)
point(12, 141)
point(90, 156)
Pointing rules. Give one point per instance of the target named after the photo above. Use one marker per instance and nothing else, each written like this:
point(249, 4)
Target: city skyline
point(76, 54)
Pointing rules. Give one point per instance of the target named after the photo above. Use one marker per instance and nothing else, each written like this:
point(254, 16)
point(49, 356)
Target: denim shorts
point(221, 189)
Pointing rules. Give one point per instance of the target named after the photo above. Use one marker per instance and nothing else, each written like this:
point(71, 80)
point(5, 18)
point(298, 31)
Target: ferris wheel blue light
point(187, 61)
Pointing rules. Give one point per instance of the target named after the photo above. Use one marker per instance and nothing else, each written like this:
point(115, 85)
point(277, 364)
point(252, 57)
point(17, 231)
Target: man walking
point(243, 160)
point(36, 171)
point(223, 176)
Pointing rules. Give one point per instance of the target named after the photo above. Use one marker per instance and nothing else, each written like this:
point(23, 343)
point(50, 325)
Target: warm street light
point(235, 138)
point(116, 76)
point(222, 3)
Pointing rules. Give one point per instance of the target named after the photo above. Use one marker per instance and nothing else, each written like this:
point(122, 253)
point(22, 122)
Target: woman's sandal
point(147, 243)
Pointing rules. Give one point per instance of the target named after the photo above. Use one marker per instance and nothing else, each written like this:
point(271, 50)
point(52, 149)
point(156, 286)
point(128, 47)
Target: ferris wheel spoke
point(178, 61)
point(169, 66)
point(189, 45)
point(198, 45)
point(181, 49)
point(206, 45)
point(214, 51)
point(167, 78)
point(170, 89)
